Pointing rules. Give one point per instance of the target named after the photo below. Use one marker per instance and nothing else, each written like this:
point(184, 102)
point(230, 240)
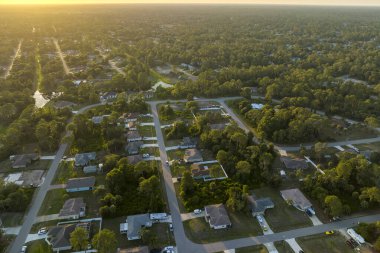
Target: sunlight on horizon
point(291, 2)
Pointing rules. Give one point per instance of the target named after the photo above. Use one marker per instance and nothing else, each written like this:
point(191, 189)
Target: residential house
point(294, 163)
point(73, 208)
point(98, 119)
point(296, 198)
point(259, 205)
point(133, 136)
point(142, 249)
point(136, 223)
point(80, 184)
point(134, 159)
point(217, 216)
point(131, 117)
point(84, 159)
point(133, 148)
point(108, 96)
point(200, 171)
point(22, 161)
point(59, 237)
point(188, 142)
point(132, 126)
point(90, 169)
point(192, 156)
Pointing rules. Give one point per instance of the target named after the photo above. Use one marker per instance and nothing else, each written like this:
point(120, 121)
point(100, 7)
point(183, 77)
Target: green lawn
point(11, 219)
point(65, 171)
point(176, 154)
point(283, 247)
point(243, 225)
point(335, 243)
point(39, 246)
point(283, 216)
point(147, 131)
point(252, 249)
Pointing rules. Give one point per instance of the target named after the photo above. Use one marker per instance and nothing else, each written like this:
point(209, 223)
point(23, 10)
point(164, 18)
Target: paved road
point(37, 201)
point(39, 196)
point(8, 72)
point(59, 52)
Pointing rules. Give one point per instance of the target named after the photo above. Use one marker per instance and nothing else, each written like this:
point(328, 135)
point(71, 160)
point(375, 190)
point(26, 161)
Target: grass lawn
point(147, 131)
point(335, 243)
point(176, 154)
point(39, 246)
point(252, 249)
point(11, 219)
point(371, 146)
point(283, 216)
point(114, 225)
point(150, 151)
point(283, 247)
point(65, 171)
point(6, 166)
point(243, 225)
point(55, 199)
point(45, 224)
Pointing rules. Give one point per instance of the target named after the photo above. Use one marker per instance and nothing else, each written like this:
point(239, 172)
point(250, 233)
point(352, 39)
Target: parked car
point(23, 249)
point(42, 231)
point(145, 155)
point(197, 211)
point(169, 248)
point(260, 219)
point(167, 162)
point(171, 227)
point(329, 232)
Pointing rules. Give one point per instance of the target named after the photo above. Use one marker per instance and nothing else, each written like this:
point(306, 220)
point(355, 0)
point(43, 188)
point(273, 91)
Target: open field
point(335, 243)
point(39, 246)
point(243, 225)
point(252, 249)
point(11, 219)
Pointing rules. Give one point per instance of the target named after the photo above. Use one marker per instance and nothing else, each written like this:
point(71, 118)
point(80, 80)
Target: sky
point(295, 2)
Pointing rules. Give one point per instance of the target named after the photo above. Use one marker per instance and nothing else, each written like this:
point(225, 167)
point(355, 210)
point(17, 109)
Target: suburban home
point(296, 198)
point(131, 117)
point(135, 223)
point(142, 249)
point(22, 161)
point(84, 159)
point(259, 205)
point(59, 237)
point(80, 184)
point(98, 119)
point(192, 156)
point(28, 178)
point(133, 136)
point(73, 209)
point(90, 169)
point(294, 163)
point(132, 125)
point(188, 142)
point(108, 96)
point(133, 159)
point(217, 216)
point(133, 148)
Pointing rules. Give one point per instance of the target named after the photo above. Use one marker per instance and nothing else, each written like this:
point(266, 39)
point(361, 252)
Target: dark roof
point(134, 147)
point(72, 207)
point(187, 141)
point(192, 154)
point(217, 215)
point(294, 163)
point(260, 205)
point(81, 182)
point(133, 159)
point(59, 236)
point(296, 198)
point(84, 158)
point(143, 249)
point(23, 160)
point(133, 135)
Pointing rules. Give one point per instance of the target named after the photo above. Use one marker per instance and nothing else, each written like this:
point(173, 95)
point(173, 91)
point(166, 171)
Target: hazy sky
point(300, 2)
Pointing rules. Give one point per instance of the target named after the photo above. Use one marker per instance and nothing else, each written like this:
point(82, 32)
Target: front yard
point(243, 225)
point(283, 216)
point(39, 246)
point(335, 243)
point(252, 249)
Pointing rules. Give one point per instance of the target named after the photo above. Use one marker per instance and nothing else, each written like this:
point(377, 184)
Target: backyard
point(335, 243)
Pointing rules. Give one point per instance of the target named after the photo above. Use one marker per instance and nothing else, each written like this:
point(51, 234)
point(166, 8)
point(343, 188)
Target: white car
point(23, 249)
point(169, 248)
point(260, 219)
point(197, 211)
point(42, 231)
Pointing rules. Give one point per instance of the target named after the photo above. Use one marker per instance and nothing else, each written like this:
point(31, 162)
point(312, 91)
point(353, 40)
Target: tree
point(243, 169)
point(334, 205)
point(187, 184)
point(237, 198)
point(376, 245)
point(149, 237)
point(105, 241)
point(79, 238)
point(246, 92)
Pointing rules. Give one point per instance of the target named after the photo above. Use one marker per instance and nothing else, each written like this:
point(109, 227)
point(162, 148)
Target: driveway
point(294, 245)
point(189, 216)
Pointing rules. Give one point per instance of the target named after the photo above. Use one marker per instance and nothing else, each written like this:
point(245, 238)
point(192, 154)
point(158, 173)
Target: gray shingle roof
point(217, 215)
point(81, 182)
point(72, 207)
point(84, 158)
point(295, 163)
point(260, 205)
point(136, 222)
point(296, 198)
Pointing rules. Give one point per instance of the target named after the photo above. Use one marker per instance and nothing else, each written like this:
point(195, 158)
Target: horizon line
point(192, 3)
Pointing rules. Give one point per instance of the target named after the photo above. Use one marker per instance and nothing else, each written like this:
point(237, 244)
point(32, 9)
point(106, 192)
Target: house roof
point(83, 158)
point(59, 236)
point(296, 197)
point(218, 215)
point(133, 135)
point(187, 141)
point(23, 160)
point(294, 163)
point(133, 159)
point(260, 205)
point(199, 170)
point(136, 222)
point(192, 154)
point(72, 207)
point(143, 249)
point(81, 182)
point(134, 147)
